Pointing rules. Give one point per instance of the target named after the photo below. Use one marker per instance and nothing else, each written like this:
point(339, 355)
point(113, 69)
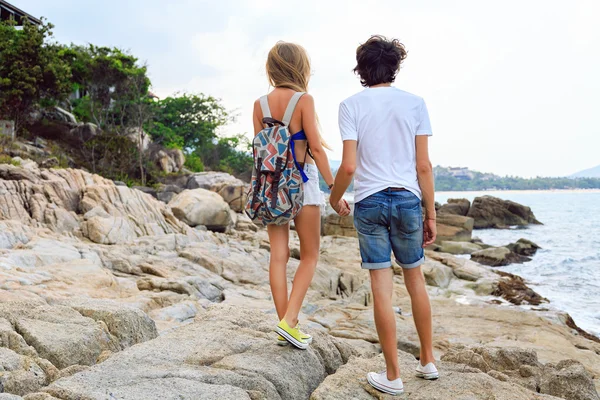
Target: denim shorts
point(390, 221)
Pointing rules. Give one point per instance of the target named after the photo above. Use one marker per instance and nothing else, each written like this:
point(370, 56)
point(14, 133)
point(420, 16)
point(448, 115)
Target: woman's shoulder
point(307, 100)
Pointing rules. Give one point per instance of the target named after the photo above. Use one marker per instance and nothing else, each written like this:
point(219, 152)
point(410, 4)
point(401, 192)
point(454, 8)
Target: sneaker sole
point(282, 342)
point(383, 389)
point(291, 339)
point(430, 377)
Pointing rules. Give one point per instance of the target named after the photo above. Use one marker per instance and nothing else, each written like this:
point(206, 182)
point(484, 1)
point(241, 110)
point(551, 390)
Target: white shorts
point(312, 193)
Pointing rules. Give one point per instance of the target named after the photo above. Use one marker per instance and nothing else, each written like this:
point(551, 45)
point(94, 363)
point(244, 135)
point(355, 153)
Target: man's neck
point(381, 85)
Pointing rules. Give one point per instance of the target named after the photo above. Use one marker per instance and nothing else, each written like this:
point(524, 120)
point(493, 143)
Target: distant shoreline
point(522, 191)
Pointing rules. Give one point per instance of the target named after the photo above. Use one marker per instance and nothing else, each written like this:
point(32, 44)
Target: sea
point(566, 270)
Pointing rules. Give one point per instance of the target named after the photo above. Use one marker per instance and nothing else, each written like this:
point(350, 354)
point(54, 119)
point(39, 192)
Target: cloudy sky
point(512, 87)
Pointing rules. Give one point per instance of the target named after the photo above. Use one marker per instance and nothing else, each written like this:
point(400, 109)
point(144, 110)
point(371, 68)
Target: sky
point(512, 87)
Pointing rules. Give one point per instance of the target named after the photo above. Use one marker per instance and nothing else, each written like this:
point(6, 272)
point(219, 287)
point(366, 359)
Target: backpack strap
point(264, 105)
point(287, 117)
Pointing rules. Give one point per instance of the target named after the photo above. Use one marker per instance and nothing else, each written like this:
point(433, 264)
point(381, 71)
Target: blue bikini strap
point(298, 136)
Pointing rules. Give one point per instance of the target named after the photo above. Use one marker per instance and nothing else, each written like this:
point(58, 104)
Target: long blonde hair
point(288, 66)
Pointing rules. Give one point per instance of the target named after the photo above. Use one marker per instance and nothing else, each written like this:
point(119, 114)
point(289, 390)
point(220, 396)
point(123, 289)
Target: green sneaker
point(282, 342)
point(292, 335)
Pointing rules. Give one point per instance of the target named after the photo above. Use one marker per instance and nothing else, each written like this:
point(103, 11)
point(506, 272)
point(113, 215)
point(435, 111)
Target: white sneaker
point(428, 372)
point(380, 382)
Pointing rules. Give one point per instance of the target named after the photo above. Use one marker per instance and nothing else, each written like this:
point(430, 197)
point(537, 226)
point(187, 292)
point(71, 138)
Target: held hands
point(341, 207)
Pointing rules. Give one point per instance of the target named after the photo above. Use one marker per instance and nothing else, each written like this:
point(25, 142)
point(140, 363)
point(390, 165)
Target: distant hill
point(462, 178)
point(593, 172)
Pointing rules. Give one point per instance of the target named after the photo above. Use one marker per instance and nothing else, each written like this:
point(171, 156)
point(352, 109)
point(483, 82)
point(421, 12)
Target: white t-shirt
point(384, 121)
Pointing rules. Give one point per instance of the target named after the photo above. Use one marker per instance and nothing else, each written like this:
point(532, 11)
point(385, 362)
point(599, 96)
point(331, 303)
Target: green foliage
point(5, 159)
point(32, 71)
point(191, 118)
point(114, 82)
point(229, 154)
point(445, 181)
point(194, 163)
point(116, 156)
point(191, 122)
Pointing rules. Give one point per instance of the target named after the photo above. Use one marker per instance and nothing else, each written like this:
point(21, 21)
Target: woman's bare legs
point(382, 286)
point(421, 309)
point(308, 226)
point(280, 253)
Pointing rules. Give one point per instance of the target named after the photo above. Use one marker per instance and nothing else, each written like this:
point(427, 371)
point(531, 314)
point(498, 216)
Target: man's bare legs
point(421, 309)
point(308, 227)
point(382, 286)
point(280, 253)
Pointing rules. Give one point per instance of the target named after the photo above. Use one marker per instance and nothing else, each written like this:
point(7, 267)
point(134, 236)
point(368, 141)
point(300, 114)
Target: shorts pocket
point(410, 220)
point(368, 216)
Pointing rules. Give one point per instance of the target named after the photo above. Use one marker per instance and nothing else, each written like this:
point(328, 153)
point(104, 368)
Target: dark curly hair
point(378, 60)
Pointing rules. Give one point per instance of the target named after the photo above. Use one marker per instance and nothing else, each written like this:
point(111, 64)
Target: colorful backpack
point(276, 193)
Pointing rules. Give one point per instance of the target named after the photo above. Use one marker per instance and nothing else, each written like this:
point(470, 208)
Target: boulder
point(456, 207)
point(59, 114)
point(167, 160)
point(49, 163)
point(454, 227)
point(335, 225)
point(524, 247)
point(202, 207)
point(129, 325)
point(451, 247)
point(463, 268)
point(349, 382)
point(232, 190)
point(58, 198)
point(139, 137)
point(109, 230)
point(567, 379)
point(492, 212)
point(85, 132)
point(227, 353)
point(19, 374)
point(437, 274)
point(497, 257)
point(59, 334)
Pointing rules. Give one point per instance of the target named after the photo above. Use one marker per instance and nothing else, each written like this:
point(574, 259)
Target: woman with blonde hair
point(288, 71)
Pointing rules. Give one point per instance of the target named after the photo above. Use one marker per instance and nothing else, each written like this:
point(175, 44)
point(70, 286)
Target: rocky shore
point(107, 292)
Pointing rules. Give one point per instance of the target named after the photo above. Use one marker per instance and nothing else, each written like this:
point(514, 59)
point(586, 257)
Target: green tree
point(32, 71)
point(191, 122)
point(112, 79)
point(187, 120)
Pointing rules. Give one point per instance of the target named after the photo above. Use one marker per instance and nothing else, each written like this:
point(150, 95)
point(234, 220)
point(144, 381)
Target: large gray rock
point(457, 383)
point(454, 227)
point(202, 207)
point(129, 325)
point(67, 341)
point(456, 207)
point(20, 374)
point(85, 132)
point(228, 353)
point(567, 380)
point(58, 199)
point(492, 212)
point(437, 274)
point(497, 256)
point(335, 225)
point(451, 247)
point(232, 190)
point(524, 247)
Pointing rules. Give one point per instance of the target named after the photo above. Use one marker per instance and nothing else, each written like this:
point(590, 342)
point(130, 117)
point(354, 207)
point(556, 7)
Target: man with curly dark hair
point(385, 132)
